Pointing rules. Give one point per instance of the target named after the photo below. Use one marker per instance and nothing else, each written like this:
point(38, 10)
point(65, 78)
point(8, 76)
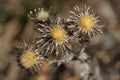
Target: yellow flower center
point(28, 59)
point(86, 22)
point(58, 34)
point(42, 15)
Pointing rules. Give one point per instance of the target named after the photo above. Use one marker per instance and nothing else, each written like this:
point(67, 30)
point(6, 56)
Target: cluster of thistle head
point(57, 36)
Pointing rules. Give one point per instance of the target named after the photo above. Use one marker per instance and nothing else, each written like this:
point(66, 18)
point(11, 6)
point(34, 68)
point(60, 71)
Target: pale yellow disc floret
point(58, 33)
point(42, 15)
point(28, 59)
point(86, 22)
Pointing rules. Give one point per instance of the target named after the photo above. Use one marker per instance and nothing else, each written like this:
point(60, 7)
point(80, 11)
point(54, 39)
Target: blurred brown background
point(14, 24)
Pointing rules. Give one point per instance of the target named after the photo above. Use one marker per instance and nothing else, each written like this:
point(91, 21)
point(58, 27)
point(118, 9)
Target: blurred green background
point(14, 24)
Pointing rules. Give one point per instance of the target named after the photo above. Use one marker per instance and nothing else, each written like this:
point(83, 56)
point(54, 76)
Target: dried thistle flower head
point(39, 14)
point(42, 15)
point(28, 58)
point(86, 21)
point(54, 38)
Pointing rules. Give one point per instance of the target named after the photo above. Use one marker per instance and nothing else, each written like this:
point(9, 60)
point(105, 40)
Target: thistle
point(39, 14)
point(87, 22)
point(54, 38)
point(29, 59)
